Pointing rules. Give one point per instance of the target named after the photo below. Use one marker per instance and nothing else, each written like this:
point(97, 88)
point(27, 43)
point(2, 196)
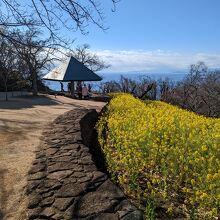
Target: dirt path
point(21, 123)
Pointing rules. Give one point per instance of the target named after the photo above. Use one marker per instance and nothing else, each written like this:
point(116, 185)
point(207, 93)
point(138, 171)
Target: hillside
point(165, 158)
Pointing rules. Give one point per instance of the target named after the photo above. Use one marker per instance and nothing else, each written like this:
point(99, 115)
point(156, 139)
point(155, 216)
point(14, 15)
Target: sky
point(157, 35)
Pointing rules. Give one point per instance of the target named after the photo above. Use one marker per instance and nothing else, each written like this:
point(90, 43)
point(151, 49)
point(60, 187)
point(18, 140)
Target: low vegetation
point(163, 157)
point(198, 91)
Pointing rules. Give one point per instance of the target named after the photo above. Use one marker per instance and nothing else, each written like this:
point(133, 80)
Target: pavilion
point(72, 71)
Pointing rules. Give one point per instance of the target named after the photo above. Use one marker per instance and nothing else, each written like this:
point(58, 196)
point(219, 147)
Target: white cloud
point(154, 61)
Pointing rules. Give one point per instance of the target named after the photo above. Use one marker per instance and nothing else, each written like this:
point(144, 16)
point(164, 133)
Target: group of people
point(82, 91)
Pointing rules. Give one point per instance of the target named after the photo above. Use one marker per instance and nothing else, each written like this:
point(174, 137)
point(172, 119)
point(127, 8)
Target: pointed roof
point(72, 70)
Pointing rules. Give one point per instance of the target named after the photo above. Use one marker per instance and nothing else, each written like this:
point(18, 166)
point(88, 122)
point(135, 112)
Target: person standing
point(61, 85)
point(79, 89)
point(85, 92)
point(89, 88)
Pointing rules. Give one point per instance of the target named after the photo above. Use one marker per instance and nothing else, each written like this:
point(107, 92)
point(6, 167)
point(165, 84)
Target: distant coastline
point(175, 77)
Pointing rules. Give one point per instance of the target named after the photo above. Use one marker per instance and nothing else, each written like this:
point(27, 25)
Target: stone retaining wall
point(64, 182)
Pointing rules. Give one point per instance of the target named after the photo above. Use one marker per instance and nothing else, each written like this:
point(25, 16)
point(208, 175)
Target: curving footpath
point(64, 182)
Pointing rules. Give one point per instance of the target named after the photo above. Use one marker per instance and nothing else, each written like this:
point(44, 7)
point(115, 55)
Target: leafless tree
point(34, 54)
point(8, 63)
point(165, 88)
point(199, 92)
point(144, 88)
point(52, 15)
point(88, 58)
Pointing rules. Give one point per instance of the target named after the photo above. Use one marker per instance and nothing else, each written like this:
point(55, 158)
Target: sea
point(174, 77)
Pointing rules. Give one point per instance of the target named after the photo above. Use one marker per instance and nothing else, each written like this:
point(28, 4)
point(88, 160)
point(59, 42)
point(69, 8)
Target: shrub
point(159, 152)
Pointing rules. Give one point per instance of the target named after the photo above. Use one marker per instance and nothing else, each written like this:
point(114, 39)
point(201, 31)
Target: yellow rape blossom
point(155, 149)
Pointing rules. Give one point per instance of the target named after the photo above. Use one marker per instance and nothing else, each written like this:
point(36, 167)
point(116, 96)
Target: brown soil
point(21, 123)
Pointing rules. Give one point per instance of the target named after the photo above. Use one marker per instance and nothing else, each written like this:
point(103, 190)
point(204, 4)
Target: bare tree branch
point(52, 15)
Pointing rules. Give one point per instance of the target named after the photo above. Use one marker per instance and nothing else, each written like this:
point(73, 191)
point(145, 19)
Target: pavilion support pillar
point(72, 89)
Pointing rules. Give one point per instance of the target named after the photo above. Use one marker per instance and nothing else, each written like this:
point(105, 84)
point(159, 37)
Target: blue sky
point(157, 35)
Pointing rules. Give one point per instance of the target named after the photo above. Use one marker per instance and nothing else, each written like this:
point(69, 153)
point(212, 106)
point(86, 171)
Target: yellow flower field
point(159, 152)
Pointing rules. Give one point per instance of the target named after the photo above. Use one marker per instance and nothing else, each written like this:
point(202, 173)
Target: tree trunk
point(5, 81)
point(149, 87)
point(34, 84)
point(6, 90)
